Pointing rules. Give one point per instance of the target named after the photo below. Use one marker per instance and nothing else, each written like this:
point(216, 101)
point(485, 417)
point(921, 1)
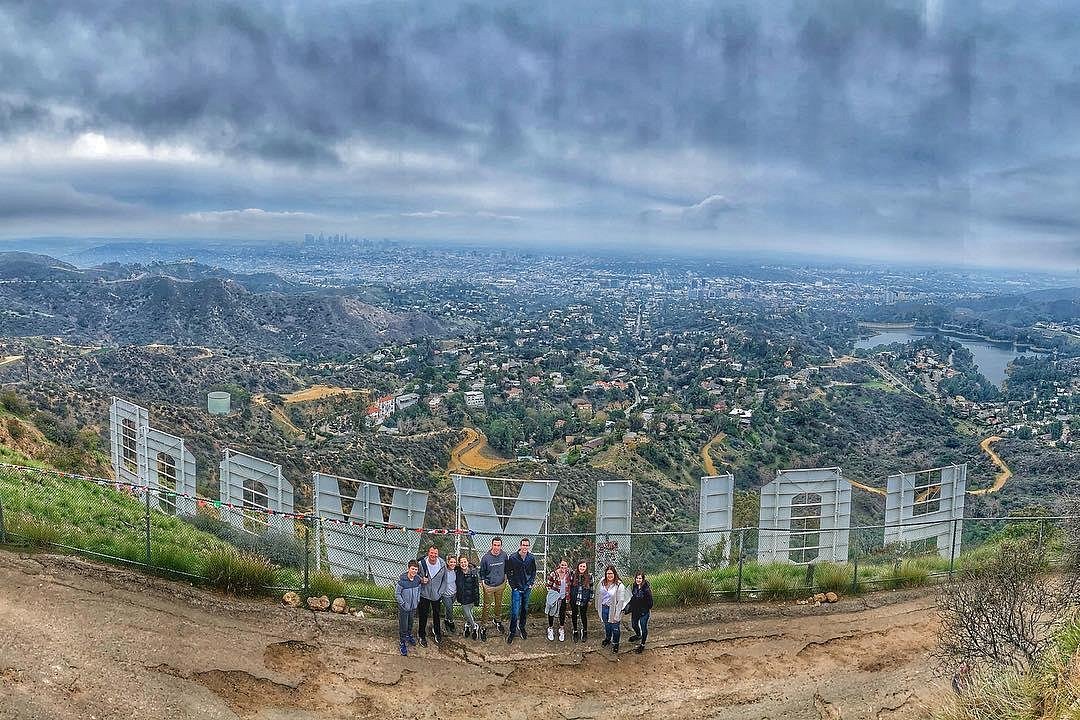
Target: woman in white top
point(610, 599)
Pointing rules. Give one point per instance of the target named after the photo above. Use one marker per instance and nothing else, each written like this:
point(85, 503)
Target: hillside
point(139, 305)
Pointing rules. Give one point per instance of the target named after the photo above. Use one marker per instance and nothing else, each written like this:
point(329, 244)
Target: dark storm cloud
point(892, 120)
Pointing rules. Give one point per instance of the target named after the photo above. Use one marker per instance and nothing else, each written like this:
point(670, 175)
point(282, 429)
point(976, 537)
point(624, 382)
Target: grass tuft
point(777, 584)
point(832, 577)
point(238, 572)
point(686, 587)
point(908, 574)
point(323, 583)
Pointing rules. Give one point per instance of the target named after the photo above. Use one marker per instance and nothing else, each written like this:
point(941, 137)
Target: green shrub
point(15, 429)
point(14, 403)
point(238, 572)
point(833, 577)
point(278, 547)
point(686, 587)
point(777, 584)
point(323, 583)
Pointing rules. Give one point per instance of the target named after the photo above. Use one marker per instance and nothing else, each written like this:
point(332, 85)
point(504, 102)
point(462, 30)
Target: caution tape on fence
point(202, 502)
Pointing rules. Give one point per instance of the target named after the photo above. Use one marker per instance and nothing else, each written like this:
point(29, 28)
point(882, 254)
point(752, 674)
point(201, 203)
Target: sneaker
point(509, 639)
point(498, 624)
point(639, 649)
point(476, 633)
point(404, 649)
point(465, 632)
point(437, 639)
point(451, 626)
point(614, 648)
point(483, 634)
point(523, 634)
point(423, 641)
point(562, 635)
point(551, 634)
point(603, 644)
point(634, 638)
point(584, 636)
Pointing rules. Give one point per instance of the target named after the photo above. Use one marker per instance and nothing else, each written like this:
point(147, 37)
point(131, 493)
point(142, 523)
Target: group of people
point(430, 587)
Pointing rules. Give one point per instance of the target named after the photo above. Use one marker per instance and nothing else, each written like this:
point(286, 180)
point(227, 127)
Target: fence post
point(148, 563)
point(952, 551)
point(742, 555)
point(3, 530)
point(855, 571)
point(308, 526)
point(1042, 525)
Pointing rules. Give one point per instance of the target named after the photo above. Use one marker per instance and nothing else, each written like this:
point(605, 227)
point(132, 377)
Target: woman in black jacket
point(581, 594)
point(641, 602)
point(468, 595)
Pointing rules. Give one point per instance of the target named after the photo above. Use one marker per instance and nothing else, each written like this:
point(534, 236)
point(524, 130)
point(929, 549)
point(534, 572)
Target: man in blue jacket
point(520, 574)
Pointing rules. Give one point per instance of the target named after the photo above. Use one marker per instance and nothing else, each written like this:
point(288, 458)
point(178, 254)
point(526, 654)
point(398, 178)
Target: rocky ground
point(82, 640)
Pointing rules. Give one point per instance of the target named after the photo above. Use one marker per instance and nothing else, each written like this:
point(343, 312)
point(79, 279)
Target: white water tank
point(217, 403)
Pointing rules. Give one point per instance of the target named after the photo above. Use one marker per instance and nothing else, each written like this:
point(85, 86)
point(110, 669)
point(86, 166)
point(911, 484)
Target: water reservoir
point(217, 403)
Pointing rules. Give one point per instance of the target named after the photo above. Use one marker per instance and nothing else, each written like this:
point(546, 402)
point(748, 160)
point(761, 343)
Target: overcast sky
point(928, 130)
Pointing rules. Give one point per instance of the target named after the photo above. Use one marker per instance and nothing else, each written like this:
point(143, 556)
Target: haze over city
point(926, 131)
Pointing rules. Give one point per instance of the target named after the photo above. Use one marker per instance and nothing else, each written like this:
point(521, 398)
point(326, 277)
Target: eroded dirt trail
point(84, 641)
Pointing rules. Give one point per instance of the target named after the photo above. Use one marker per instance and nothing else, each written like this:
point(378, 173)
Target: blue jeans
point(404, 623)
point(519, 607)
point(612, 630)
point(640, 625)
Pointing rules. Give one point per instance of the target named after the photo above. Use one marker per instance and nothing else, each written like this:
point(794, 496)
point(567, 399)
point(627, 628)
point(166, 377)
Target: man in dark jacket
point(520, 574)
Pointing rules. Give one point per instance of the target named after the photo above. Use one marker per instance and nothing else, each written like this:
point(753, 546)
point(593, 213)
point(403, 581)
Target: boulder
point(318, 603)
point(291, 599)
point(820, 597)
point(831, 597)
point(339, 605)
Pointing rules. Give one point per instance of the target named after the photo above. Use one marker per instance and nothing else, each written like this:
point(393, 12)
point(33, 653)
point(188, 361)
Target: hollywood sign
point(368, 529)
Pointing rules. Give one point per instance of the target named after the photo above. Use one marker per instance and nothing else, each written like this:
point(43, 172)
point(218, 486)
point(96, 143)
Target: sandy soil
point(318, 392)
point(86, 641)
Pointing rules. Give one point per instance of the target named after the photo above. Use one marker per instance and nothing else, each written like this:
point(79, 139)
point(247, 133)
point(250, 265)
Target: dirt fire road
point(1002, 476)
point(473, 454)
point(82, 641)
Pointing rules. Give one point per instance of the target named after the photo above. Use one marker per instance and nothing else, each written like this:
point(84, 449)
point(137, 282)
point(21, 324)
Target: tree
point(1002, 613)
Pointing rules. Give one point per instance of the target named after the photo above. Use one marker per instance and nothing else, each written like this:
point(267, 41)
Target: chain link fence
point(200, 539)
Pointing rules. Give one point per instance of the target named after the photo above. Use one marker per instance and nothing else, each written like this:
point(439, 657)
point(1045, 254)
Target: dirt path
point(10, 359)
point(999, 481)
point(706, 456)
point(473, 454)
point(83, 641)
point(1003, 476)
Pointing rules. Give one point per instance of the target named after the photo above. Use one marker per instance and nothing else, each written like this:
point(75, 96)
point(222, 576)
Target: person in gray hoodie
point(493, 581)
point(432, 589)
point(407, 594)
